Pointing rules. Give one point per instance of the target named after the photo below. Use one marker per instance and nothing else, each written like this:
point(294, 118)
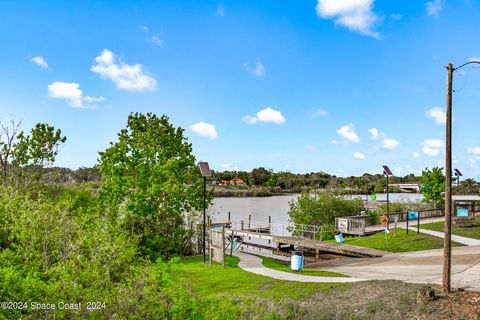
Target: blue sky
point(336, 86)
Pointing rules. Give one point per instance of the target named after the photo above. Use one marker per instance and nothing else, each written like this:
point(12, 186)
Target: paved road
point(416, 267)
point(253, 264)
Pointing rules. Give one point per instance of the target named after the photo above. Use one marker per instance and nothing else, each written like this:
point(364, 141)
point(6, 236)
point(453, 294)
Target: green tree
point(433, 185)
point(23, 157)
point(259, 176)
point(322, 209)
point(467, 186)
point(153, 184)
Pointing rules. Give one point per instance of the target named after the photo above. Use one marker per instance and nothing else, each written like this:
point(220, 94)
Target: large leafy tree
point(152, 182)
point(433, 185)
point(321, 209)
point(23, 156)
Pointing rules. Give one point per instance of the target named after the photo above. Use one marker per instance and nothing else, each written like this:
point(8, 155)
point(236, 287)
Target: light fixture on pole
point(458, 174)
point(387, 172)
point(205, 172)
point(447, 245)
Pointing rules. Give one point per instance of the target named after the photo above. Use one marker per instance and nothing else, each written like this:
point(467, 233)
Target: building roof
point(466, 198)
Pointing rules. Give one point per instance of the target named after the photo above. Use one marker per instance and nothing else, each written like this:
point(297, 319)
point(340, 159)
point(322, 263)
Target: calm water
point(277, 207)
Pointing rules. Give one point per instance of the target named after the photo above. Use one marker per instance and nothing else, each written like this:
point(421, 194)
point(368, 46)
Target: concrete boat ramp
point(328, 247)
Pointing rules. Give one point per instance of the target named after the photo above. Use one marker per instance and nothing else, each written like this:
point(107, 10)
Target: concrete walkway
point(253, 264)
point(463, 240)
point(415, 267)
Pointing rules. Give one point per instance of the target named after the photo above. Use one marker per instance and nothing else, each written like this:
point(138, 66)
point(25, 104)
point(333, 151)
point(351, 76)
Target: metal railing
point(277, 229)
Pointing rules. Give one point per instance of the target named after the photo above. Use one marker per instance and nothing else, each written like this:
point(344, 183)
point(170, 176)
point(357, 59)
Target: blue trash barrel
point(339, 237)
point(297, 261)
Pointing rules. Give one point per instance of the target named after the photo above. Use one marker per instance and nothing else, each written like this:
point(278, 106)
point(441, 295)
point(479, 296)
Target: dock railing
point(277, 229)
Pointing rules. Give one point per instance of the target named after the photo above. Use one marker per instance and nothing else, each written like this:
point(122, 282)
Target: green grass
point(401, 243)
point(469, 232)
point(274, 264)
point(214, 281)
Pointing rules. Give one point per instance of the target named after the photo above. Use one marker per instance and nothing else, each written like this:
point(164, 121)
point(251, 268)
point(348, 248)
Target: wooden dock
point(322, 247)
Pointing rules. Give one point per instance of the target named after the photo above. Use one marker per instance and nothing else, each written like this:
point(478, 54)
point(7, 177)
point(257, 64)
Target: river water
point(260, 208)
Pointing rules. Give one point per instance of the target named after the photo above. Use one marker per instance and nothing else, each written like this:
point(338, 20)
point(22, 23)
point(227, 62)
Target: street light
point(447, 246)
point(205, 172)
point(387, 172)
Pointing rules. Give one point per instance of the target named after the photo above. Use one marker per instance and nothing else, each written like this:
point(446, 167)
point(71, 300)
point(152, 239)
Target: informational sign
point(343, 225)
point(217, 245)
point(387, 230)
point(462, 212)
point(373, 197)
point(412, 215)
point(384, 220)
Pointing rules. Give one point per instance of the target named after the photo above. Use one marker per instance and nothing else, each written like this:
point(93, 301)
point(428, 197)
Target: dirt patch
point(384, 300)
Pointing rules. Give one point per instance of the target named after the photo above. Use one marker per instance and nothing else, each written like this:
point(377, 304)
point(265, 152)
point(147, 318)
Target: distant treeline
point(275, 182)
point(265, 182)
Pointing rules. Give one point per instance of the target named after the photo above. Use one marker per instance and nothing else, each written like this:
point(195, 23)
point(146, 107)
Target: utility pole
point(447, 247)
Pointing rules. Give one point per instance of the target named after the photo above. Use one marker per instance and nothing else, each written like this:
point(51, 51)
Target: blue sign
point(387, 230)
point(412, 215)
point(462, 212)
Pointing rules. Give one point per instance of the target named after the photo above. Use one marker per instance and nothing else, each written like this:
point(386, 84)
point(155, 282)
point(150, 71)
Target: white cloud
point(270, 115)
point(319, 113)
point(144, 28)
point(396, 16)
point(257, 71)
point(265, 115)
point(205, 130)
point(220, 10)
point(226, 166)
point(473, 150)
point(40, 61)
point(356, 15)
point(431, 152)
point(389, 144)
point(437, 114)
point(125, 76)
point(70, 91)
point(374, 133)
point(416, 154)
point(433, 8)
point(348, 133)
point(474, 59)
point(359, 156)
point(311, 148)
point(156, 40)
point(336, 142)
point(431, 147)
point(249, 119)
point(94, 99)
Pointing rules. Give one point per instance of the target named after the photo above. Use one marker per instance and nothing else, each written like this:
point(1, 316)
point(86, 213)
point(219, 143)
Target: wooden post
point(317, 254)
point(407, 222)
point(231, 244)
point(418, 222)
point(447, 246)
point(395, 226)
point(223, 246)
point(210, 247)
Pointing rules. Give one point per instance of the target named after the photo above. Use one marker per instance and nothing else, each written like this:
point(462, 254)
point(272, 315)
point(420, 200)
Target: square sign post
point(205, 172)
